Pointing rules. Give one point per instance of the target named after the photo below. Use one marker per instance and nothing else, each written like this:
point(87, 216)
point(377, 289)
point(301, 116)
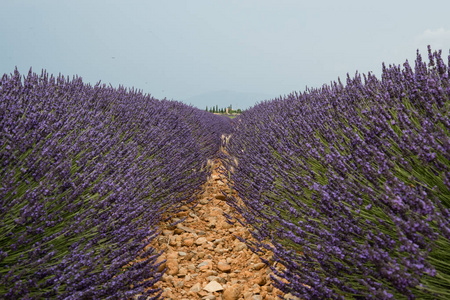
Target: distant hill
point(225, 98)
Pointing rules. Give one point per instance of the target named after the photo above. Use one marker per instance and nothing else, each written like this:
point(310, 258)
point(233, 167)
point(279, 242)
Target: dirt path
point(205, 260)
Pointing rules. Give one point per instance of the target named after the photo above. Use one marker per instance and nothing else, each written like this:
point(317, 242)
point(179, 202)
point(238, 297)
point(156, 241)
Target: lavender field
point(86, 173)
point(347, 185)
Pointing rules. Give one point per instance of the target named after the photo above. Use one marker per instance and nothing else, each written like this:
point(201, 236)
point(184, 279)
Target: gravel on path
point(204, 258)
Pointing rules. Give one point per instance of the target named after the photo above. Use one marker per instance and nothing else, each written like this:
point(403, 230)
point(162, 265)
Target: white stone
point(213, 286)
point(196, 287)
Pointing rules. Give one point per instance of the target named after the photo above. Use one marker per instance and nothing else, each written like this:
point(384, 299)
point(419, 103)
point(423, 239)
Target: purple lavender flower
point(347, 185)
point(86, 174)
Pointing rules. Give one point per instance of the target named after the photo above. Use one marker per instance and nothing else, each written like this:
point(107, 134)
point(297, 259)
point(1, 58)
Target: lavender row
point(349, 185)
point(207, 128)
point(86, 173)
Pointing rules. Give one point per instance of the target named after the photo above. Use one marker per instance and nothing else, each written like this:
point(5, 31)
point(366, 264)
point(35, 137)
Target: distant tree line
point(223, 110)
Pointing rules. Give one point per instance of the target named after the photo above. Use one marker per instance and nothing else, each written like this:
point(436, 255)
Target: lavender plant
point(349, 185)
point(206, 127)
point(85, 174)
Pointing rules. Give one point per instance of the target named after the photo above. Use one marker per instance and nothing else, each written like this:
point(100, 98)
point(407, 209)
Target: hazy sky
point(181, 49)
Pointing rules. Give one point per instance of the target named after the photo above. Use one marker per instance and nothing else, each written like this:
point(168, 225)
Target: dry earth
point(205, 260)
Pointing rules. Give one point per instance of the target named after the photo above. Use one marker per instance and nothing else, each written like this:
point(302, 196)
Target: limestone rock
point(187, 242)
point(204, 201)
point(172, 263)
point(213, 286)
point(172, 242)
point(260, 280)
point(232, 293)
point(196, 288)
point(220, 197)
point(200, 241)
point(259, 266)
point(184, 228)
point(179, 284)
point(240, 246)
point(204, 265)
point(224, 267)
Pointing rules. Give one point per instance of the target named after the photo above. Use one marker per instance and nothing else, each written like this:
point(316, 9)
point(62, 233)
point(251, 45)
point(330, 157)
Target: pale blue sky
point(183, 50)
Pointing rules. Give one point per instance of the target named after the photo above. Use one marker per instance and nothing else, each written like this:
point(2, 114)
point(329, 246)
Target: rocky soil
point(205, 260)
